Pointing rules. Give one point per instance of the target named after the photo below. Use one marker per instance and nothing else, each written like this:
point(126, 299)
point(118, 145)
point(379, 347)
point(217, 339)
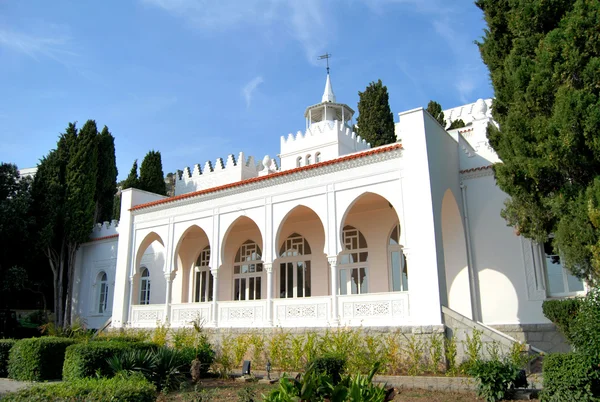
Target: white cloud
point(53, 45)
point(250, 87)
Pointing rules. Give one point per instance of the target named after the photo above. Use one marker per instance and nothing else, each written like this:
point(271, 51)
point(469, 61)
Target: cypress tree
point(152, 178)
point(106, 183)
point(435, 109)
point(544, 62)
point(375, 119)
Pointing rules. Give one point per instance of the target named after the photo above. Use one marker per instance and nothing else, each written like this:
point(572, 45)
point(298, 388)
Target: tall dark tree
point(106, 184)
point(435, 109)
point(544, 62)
point(375, 119)
point(151, 174)
point(132, 181)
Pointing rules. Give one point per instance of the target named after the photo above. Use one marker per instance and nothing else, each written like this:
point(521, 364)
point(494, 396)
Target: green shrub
point(332, 365)
point(205, 354)
point(562, 313)
point(5, 345)
point(90, 358)
point(38, 359)
point(118, 389)
point(585, 330)
point(494, 378)
point(570, 377)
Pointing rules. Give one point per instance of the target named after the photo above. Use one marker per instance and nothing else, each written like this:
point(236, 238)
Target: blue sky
point(200, 79)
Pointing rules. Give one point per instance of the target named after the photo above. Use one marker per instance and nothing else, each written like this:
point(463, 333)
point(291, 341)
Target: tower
point(328, 133)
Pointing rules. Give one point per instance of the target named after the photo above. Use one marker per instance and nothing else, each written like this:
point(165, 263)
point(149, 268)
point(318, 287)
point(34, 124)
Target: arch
point(366, 265)
point(298, 161)
point(240, 224)
point(313, 269)
point(189, 246)
point(455, 256)
point(317, 157)
point(364, 202)
point(144, 244)
point(308, 159)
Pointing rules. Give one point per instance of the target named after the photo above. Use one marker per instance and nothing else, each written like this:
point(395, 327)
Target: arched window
point(353, 267)
point(247, 272)
point(308, 160)
point(317, 157)
point(102, 282)
point(299, 161)
point(294, 268)
point(145, 287)
point(203, 280)
point(397, 262)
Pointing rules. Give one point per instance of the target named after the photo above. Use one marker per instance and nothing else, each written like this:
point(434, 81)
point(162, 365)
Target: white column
point(335, 319)
point(213, 319)
point(129, 309)
point(169, 281)
point(268, 266)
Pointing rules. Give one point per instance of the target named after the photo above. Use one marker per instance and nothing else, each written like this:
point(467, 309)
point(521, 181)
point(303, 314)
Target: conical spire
point(328, 95)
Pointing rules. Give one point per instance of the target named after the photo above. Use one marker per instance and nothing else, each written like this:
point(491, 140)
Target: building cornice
point(473, 173)
point(114, 236)
point(362, 158)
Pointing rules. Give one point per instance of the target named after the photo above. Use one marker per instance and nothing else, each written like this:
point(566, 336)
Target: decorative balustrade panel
point(310, 311)
point(383, 309)
point(147, 315)
point(242, 313)
point(183, 315)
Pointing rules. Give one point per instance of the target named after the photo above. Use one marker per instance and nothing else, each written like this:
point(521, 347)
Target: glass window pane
point(300, 280)
point(210, 287)
point(258, 292)
point(575, 284)
point(404, 274)
point(197, 288)
point(203, 286)
point(259, 267)
point(243, 289)
point(290, 280)
point(251, 289)
point(282, 280)
point(343, 282)
point(395, 260)
point(307, 278)
point(555, 274)
point(364, 281)
point(354, 282)
point(363, 257)
point(236, 269)
point(362, 242)
point(236, 289)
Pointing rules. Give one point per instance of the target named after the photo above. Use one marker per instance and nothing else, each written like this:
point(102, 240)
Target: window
point(294, 268)
point(299, 161)
point(145, 287)
point(397, 262)
point(308, 160)
point(560, 281)
point(353, 267)
point(247, 272)
point(102, 281)
point(317, 157)
point(203, 280)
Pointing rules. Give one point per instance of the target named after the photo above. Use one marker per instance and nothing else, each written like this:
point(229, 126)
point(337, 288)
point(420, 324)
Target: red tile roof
point(105, 237)
point(477, 169)
point(346, 158)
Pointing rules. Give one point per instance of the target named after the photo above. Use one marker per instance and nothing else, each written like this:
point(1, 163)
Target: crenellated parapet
point(105, 229)
point(321, 141)
point(222, 172)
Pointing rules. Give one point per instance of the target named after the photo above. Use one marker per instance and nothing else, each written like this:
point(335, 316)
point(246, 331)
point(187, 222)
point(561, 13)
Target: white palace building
point(334, 233)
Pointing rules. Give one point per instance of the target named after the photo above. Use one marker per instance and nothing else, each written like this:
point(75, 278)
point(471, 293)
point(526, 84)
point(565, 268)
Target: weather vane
point(326, 56)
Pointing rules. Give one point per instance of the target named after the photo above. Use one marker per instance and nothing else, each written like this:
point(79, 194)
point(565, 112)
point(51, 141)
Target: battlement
point(324, 140)
point(221, 173)
point(105, 229)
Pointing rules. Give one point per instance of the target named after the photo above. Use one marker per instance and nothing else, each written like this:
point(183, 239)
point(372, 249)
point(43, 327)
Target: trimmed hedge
point(38, 359)
point(562, 313)
point(570, 377)
point(86, 359)
point(5, 346)
point(130, 389)
point(331, 365)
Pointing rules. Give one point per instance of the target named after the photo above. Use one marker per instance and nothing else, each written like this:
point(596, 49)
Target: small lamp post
point(268, 369)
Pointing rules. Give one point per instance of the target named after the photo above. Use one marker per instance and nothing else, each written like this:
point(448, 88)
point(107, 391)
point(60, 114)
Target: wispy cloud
point(250, 87)
point(53, 44)
point(305, 18)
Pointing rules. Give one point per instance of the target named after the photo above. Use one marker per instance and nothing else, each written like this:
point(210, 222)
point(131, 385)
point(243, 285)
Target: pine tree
point(375, 119)
point(106, 183)
point(152, 178)
point(544, 62)
point(435, 109)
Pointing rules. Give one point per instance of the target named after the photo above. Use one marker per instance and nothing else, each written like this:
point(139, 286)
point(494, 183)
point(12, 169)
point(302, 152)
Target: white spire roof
point(328, 95)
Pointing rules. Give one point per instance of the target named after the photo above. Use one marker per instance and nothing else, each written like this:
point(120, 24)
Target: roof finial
point(326, 56)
